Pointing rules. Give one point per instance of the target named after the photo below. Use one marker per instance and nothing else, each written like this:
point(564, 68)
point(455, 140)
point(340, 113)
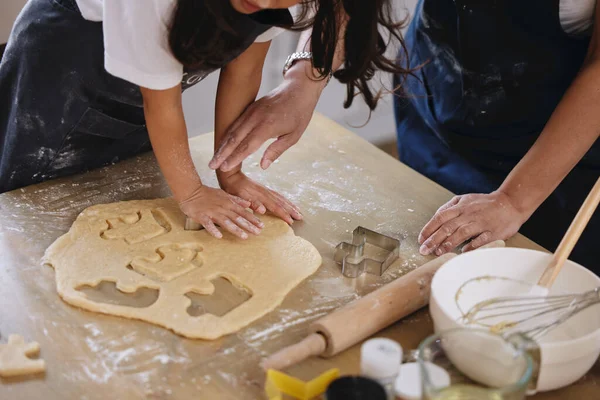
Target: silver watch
point(292, 58)
point(302, 55)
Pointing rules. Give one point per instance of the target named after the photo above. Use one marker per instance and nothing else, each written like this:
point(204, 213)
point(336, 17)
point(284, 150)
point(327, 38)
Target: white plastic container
point(380, 359)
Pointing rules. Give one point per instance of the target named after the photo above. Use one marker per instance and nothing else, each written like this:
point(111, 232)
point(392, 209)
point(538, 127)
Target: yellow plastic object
point(278, 384)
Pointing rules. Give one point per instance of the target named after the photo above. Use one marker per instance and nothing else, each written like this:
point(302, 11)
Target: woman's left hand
point(283, 114)
point(480, 217)
point(262, 198)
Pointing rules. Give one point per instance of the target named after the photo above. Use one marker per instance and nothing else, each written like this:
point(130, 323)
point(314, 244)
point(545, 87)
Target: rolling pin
point(362, 318)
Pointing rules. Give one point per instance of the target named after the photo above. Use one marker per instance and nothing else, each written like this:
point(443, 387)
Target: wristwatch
point(302, 55)
point(292, 58)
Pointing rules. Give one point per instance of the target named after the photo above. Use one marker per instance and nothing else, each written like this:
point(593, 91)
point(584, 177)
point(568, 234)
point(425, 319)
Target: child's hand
point(261, 197)
point(209, 206)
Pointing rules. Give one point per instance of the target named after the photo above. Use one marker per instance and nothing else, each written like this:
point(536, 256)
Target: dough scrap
point(107, 243)
point(14, 359)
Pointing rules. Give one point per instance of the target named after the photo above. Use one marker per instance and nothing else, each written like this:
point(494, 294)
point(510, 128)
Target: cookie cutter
point(279, 384)
point(351, 255)
point(191, 225)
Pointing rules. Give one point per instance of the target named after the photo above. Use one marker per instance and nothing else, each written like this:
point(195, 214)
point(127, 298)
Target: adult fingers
point(277, 148)
point(440, 236)
point(460, 235)
point(453, 201)
point(235, 134)
point(439, 219)
point(246, 147)
point(481, 240)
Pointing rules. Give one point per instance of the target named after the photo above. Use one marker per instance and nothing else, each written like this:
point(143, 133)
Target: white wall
point(8, 12)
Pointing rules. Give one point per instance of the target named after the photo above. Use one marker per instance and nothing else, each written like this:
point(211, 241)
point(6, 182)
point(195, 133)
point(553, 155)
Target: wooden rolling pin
point(362, 318)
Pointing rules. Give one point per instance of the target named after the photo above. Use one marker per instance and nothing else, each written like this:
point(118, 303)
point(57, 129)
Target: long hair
point(203, 34)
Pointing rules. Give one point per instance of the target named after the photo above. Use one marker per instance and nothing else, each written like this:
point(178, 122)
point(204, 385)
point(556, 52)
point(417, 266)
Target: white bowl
point(569, 351)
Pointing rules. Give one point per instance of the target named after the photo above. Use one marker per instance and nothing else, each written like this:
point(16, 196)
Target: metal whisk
point(532, 316)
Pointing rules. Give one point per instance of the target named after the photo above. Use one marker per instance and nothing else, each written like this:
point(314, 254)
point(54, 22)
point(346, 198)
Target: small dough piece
point(14, 359)
point(143, 244)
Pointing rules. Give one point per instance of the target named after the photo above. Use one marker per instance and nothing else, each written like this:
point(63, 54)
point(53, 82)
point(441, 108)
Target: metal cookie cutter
point(191, 225)
point(351, 255)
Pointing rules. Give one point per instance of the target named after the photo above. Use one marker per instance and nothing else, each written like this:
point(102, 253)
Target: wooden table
point(339, 181)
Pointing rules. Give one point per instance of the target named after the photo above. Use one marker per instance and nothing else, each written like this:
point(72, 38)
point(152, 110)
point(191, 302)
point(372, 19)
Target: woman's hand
point(260, 198)
point(283, 114)
point(211, 207)
point(480, 217)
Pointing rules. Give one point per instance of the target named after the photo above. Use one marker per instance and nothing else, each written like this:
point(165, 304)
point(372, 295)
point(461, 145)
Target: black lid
point(355, 388)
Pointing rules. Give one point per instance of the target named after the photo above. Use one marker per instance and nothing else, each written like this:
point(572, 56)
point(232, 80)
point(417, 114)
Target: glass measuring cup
point(481, 365)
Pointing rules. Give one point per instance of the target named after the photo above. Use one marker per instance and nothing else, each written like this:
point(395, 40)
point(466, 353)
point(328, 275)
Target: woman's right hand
point(211, 207)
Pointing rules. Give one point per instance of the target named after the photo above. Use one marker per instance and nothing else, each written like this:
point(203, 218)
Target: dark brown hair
point(203, 34)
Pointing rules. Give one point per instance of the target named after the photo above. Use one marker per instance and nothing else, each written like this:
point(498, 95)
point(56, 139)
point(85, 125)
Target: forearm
point(304, 72)
point(239, 83)
point(168, 135)
point(572, 129)
point(234, 94)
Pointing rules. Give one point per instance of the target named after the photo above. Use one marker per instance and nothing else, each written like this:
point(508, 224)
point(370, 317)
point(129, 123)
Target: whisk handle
point(571, 237)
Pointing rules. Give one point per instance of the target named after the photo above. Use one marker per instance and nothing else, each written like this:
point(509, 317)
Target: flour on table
point(141, 245)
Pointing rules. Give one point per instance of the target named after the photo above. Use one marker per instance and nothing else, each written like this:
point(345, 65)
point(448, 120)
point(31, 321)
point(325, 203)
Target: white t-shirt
point(136, 46)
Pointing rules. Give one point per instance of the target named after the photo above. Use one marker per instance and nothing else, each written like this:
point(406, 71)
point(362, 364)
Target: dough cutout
point(168, 262)
point(225, 298)
point(14, 358)
point(206, 287)
point(107, 292)
point(136, 227)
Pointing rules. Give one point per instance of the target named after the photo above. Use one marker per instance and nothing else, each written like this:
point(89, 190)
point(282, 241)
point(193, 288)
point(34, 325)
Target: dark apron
point(60, 111)
point(495, 71)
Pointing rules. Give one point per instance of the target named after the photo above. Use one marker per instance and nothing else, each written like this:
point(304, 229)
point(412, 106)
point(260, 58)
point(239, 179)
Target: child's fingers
point(228, 224)
point(258, 207)
point(240, 201)
point(274, 206)
point(245, 224)
point(248, 216)
point(210, 227)
point(288, 205)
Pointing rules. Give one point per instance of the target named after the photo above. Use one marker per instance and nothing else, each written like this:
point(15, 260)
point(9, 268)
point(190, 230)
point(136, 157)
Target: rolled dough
point(138, 244)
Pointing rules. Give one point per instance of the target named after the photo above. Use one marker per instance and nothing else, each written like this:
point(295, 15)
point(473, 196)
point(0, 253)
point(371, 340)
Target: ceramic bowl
point(567, 352)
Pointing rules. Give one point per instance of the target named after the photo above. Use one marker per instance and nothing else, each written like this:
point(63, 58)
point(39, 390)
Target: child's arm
point(239, 83)
point(166, 127)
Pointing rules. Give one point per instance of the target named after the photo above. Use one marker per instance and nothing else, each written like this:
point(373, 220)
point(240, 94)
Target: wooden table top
point(339, 181)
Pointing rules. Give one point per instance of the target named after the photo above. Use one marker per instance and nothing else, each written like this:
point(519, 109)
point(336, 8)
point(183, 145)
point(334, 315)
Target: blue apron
point(494, 72)
point(60, 111)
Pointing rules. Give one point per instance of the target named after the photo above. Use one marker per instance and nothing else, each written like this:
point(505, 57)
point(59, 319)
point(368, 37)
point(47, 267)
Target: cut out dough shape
point(168, 263)
point(14, 359)
point(269, 266)
point(134, 227)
